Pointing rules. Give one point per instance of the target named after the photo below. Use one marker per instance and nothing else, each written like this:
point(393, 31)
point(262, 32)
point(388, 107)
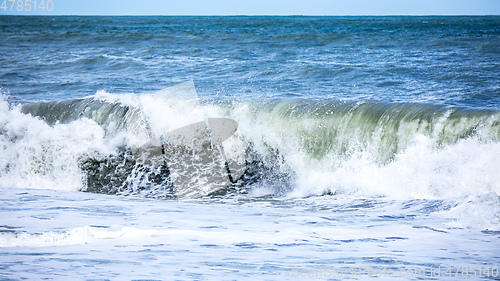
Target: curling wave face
point(292, 147)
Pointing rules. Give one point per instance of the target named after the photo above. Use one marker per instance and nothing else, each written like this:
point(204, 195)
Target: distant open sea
point(371, 145)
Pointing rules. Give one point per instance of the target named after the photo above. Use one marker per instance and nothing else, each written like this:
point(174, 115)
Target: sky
point(252, 7)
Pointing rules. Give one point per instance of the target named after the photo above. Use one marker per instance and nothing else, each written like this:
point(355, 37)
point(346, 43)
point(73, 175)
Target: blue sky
point(263, 7)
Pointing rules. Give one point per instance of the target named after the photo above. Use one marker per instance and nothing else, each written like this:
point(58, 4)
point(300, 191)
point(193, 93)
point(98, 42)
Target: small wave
point(23, 239)
point(95, 234)
point(75, 236)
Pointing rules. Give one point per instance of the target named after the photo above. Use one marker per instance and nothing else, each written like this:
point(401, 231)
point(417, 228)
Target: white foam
point(75, 236)
point(163, 111)
point(92, 235)
point(36, 155)
point(72, 237)
point(421, 171)
point(476, 212)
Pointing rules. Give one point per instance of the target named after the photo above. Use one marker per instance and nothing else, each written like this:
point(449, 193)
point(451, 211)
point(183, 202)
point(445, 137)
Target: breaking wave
point(293, 148)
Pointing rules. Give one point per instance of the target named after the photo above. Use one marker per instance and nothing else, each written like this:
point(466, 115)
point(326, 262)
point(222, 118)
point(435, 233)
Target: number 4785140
point(27, 5)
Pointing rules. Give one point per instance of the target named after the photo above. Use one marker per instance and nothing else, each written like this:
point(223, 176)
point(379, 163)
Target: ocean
point(368, 148)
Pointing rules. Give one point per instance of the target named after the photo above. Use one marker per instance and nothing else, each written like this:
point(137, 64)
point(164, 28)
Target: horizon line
point(257, 15)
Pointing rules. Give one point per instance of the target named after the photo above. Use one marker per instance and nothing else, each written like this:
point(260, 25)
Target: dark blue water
point(443, 60)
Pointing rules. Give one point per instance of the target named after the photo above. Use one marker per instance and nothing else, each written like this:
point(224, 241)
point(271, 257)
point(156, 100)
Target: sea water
point(372, 148)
